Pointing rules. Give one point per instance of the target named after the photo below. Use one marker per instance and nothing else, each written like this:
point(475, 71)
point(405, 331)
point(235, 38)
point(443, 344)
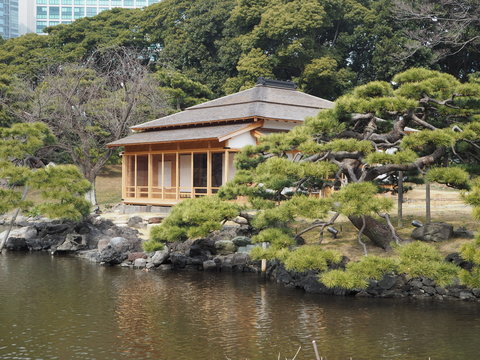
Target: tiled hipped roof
point(264, 102)
point(203, 133)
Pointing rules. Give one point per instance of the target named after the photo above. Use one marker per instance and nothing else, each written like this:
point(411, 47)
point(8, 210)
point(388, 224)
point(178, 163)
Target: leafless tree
point(89, 104)
point(445, 26)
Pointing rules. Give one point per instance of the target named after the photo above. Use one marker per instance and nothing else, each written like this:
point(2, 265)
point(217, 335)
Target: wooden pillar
point(124, 176)
point(400, 199)
point(163, 175)
point(209, 172)
point(428, 214)
point(150, 175)
point(227, 165)
point(191, 175)
point(177, 174)
point(135, 179)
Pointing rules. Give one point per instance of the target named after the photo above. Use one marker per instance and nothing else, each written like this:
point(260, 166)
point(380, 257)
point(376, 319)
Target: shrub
point(358, 274)
point(271, 253)
point(311, 257)
point(418, 259)
point(278, 238)
point(192, 218)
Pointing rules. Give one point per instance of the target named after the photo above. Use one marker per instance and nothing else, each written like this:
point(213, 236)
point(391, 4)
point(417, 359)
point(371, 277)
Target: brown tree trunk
point(379, 233)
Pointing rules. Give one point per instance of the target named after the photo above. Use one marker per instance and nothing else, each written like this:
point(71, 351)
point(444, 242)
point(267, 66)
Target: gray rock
point(242, 241)
point(462, 232)
point(72, 243)
point(476, 292)
point(136, 222)
point(210, 265)
point(16, 244)
point(165, 267)
point(112, 256)
point(225, 247)
point(466, 295)
point(140, 263)
point(150, 266)
point(433, 232)
point(387, 282)
point(241, 220)
point(159, 257)
point(103, 243)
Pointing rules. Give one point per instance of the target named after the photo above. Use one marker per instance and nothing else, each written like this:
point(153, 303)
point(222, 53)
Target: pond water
point(66, 308)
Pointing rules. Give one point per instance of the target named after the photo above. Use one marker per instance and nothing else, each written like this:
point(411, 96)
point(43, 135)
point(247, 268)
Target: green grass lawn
point(109, 186)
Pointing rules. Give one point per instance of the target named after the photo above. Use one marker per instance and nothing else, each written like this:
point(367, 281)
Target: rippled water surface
point(65, 308)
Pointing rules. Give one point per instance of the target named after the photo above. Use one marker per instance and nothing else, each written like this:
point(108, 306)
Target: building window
point(92, 2)
point(79, 2)
point(141, 2)
point(54, 12)
point(116, 2)
point(102, 9)
point(104, 2)
point(42, 2)
point(91, 11)
point(150, 2)
point(40, 26)
point(53, 23)
point(54, 2)
point(66, 12)
point(78, 12)
point(41, 12)
point(128, 2)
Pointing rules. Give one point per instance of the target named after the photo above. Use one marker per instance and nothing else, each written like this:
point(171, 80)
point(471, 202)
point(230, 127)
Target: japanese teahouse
point(190, 153)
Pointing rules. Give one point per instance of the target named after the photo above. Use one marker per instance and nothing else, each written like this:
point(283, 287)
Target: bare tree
point(92, 103)
point(445, 26)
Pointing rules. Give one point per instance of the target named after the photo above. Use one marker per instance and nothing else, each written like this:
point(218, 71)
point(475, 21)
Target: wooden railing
point(167, 193)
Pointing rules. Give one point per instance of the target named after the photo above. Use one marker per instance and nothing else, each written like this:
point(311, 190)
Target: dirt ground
point(446, 206)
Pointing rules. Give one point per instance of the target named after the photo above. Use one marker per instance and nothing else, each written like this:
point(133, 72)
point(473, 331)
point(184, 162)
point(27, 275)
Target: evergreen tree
point(62, 188)
point(424, 121)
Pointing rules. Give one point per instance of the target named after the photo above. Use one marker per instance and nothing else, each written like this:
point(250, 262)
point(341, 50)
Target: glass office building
point(8, 18)
point(54, 12)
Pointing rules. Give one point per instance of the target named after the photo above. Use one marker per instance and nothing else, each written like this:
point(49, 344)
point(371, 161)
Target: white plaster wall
point(239, 141)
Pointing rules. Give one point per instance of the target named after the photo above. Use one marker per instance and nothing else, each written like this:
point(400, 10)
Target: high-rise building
point(54, 12)
point(8, 18)
point(35, 15)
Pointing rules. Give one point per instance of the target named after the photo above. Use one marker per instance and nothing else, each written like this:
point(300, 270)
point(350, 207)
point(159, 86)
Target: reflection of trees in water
point(211, 316)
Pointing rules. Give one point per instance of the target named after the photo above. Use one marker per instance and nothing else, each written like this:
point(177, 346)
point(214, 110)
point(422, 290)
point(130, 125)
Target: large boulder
point(118, 249)
point(225, 247)
point(159, 257)
point(72, 243)
point(18, 238)
point(136, 222)
point(16, 244)
point(241, 241)
point(435, 232)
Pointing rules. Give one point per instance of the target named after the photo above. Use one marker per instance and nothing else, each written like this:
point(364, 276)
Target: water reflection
point(62, 308)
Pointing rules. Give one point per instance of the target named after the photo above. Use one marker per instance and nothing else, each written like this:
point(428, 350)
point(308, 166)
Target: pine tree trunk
point(91, 195)
point(379, 233)
point(12, 221)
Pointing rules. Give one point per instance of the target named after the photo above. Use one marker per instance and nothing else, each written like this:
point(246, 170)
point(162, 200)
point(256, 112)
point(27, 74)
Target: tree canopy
point(328, 47)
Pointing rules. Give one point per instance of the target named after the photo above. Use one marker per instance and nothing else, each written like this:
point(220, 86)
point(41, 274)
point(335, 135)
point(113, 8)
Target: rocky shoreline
point(101, 241)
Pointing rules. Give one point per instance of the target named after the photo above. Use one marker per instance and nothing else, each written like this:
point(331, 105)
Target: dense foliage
point(425, 123)
point(190, 219)
point(326, 46)
point(414, 260)
point(62, 188)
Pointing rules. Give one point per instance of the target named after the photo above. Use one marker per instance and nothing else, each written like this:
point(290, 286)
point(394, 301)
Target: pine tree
point(62, 188)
